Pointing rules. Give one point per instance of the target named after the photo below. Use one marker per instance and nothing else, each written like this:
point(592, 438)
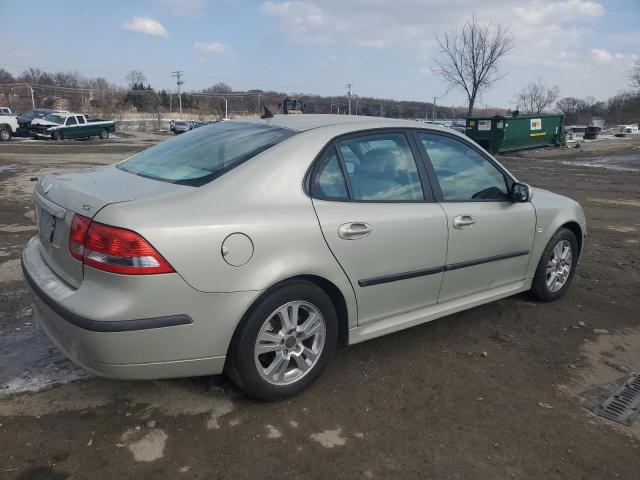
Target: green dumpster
point(503, 134)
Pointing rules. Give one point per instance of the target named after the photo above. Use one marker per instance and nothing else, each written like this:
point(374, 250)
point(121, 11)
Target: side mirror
point(520, 192)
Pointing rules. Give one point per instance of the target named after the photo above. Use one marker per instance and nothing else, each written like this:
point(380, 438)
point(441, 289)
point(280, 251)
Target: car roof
point(304, 122)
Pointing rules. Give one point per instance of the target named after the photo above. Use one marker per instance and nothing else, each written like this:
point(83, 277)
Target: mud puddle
point(29, 362)
point(619, 163)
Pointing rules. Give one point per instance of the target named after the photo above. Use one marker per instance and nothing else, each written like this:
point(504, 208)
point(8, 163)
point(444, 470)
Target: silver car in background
point(181, 126)
point(255, 247)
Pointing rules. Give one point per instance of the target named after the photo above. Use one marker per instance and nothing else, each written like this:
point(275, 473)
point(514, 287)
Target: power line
point(43, 86)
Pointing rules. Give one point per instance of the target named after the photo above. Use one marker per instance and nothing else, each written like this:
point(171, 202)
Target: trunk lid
point(59, 197)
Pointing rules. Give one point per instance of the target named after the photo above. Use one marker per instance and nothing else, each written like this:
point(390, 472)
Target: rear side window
point(329, 180)
point(200, 156)
point(381, 167)
point(463, 174)
point(81, 120)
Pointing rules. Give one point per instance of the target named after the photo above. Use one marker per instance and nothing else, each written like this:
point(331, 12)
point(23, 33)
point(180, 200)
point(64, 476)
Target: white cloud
point(276, 9)
point(553, 38)
point(372, 43)
point(187, 8)
point(215, 48)
point(600, 55)
point(540, 12)
point(145, 25)
point(305, 21)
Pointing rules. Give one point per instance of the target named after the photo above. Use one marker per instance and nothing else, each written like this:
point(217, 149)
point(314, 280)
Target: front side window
point(206, 153)
point(381, 167)
point(72, 121)
point(329, 181)
point(463, 173)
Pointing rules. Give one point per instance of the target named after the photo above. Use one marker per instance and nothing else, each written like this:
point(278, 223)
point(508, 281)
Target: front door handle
point(463, 221)
point(354, 230)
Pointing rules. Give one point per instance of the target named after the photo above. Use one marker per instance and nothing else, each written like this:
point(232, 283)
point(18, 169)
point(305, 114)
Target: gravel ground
point(504, 390)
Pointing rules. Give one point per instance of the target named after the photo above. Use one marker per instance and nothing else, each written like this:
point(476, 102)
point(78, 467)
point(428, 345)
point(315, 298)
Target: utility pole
point(33, 102)
point(349, 85)
point(434, 108)
point(225, 109)
point(178, 75)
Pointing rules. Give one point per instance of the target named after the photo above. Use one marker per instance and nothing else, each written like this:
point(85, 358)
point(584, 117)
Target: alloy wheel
point(559, 266)
point(290, 343)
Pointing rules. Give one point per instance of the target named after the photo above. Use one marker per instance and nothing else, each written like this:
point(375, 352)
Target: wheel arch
point(338, 300)
point(331, 289)
point(577, 231)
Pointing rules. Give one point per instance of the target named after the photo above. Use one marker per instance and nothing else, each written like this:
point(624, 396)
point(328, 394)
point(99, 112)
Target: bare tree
point(469, 57)
point(6, 77)
point(537, 96)
point(35, 75)
point(219, 87)
point(135, 77)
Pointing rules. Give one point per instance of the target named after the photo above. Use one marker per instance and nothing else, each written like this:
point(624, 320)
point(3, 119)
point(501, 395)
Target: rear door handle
point(354, 230)
point(463, 221)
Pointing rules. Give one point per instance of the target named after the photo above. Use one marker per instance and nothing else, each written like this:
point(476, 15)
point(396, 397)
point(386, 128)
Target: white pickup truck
point(8, 127)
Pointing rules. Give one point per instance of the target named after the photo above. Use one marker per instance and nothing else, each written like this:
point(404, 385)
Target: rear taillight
point(114, 249)
point(78, 235)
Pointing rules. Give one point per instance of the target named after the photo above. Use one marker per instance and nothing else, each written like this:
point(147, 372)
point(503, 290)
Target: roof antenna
point(267, 113)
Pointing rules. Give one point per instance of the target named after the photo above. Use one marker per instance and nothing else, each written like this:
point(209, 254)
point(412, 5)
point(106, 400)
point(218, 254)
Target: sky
point(385, 48)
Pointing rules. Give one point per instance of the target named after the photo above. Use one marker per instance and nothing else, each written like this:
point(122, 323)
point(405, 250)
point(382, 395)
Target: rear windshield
point(198, 157)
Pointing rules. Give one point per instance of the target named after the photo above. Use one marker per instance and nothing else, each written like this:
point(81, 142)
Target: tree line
point(109, 100)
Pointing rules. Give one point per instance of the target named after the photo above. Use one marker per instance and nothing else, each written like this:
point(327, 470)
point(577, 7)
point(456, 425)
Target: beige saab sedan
point(255, 247)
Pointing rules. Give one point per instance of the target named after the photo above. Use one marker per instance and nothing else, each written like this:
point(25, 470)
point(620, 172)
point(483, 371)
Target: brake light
point(78, 235)
point(114, 249)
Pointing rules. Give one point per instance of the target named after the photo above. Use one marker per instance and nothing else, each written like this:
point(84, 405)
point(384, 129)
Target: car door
point(490, 236)
point(377, 214)
point(71, 127)
point(82, 130)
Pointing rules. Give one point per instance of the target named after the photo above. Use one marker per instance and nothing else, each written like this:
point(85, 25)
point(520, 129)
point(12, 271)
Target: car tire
point(104, 134)
point(57, 135)
point(5, 134)
point(552, 279)
point(292, 362)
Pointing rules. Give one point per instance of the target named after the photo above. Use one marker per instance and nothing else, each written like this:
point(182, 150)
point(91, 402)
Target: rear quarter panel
point(263, 199)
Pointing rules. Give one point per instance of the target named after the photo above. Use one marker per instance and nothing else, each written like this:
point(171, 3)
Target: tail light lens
point(78, 235)
point(114, 249)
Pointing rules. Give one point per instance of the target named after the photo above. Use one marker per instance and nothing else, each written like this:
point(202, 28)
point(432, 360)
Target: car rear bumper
point(87, 323)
